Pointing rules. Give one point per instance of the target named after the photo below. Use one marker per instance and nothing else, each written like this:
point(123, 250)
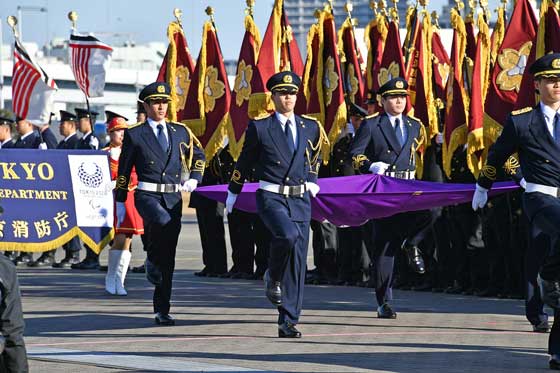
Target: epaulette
point(309, 117)
point(371, 115)
point(262, 116)
point(414, 118)
point(521, 111)
point(135, 125)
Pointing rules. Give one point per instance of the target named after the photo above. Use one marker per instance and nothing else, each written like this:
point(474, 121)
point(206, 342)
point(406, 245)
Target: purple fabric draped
point(353, 200)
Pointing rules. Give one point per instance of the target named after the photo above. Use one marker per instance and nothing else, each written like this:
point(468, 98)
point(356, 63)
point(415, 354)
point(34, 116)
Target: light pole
point(27, 8)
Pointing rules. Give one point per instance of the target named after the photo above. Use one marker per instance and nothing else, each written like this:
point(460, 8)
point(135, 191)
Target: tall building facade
point(300, 14)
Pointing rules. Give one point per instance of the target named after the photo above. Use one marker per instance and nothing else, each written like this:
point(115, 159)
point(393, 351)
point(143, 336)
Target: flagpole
point(73, 17)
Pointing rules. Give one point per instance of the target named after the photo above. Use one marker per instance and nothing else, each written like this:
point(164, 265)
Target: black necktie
point(289, 136)
point(161, 137)
point(398, 132)
point(556, 128)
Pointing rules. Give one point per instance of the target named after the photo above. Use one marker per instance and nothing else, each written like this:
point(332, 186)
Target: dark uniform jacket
point(9, 144)
point(69, 143)
point(266, 151)
point(35, 139)
point(526, 133)
point(141, 149)
point(376, 141)
point(14, 356)
point(83, 143)
point(340, 163)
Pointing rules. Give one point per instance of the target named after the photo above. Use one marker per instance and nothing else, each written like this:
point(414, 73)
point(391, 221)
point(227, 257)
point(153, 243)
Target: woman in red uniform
point(119, 254)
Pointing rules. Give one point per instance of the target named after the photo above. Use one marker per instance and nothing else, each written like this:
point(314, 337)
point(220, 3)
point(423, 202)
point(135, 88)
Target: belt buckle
point(169, 188)
point(284, 190)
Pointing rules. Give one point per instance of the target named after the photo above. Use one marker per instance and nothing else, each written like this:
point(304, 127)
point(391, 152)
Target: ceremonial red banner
point(375, 35)
point(351, 63)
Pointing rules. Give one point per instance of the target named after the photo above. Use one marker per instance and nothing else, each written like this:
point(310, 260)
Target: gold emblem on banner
point(330, 80)
point(443, 70)
point(213, 89)
point(182, 84)
point(386, 74)
point(352, 81)
point(512, 63)
point(242, 85)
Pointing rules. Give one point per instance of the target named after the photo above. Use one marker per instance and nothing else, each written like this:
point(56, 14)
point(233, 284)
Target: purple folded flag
point(353, 200)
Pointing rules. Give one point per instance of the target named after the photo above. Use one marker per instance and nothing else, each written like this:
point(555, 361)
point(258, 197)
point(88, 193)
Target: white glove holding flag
point(378, 168)
point(121, 213)
point(93, 142)
point(230, 201)
point(523, 183)
point(189, 185)
point(480, 197)
point(115, 153)
point(43, 146)
point(312, 188)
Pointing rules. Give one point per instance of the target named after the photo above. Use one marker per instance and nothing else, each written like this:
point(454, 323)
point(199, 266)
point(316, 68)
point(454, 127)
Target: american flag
point(32, 88)
point(90, 61)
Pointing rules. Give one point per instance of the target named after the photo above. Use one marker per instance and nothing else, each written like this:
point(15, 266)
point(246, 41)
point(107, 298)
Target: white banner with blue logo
point(50, 196)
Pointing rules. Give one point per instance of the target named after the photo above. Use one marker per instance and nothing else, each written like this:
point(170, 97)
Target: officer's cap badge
point(161, 89)
point(287, 79)
point(556, 63)
point(399, 85)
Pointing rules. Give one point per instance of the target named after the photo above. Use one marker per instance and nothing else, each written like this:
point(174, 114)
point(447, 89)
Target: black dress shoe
point(288, 330)
point(66, 262)
point(202, 273)
point(542, 327)
point(153, 274)
point(103, 268)
point(87, 263)
point(550, 291)
point(386, 312)
point(414, 257)
point(139, 269)
point(164, 319)
point(10, 255)
point(554, 362)
point(273, 290)
point(43, 261)
point(23, 259)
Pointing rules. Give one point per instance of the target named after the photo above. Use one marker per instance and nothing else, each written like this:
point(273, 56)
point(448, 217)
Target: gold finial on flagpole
point(435, 18)
point(424, 3)
point(250, 5)
point(12, 22)
point(373, 6)
point(178, 13)
point(348, 7)
point(383, 7)
point(73, 17)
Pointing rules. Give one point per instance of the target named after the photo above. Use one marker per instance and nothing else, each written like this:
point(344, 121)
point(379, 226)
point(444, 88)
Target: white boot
point(110, 281)
point(122, 268)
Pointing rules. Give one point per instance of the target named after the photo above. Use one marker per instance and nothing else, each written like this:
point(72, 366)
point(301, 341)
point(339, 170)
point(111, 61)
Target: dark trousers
point(554, 338)
point(539, 247)
point(288, 256)
point(161, 248)
point(246, 230)
point(324, 248)
point(212, 236)
point(352, 255)
point(389, 235)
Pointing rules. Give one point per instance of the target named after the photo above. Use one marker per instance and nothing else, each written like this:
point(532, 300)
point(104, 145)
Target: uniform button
point(462, 169)
point(277, 162)
point(287, 178)
point(546, 160)
point(394, 167)
point(163, 174)
point(301, 180)
point(388, 151)
point(341, 161)
point(176, 175)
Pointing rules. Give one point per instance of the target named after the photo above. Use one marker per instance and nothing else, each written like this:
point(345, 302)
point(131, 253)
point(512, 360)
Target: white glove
point(378, 168)
point(480, 197)
point(115, 153)
point(312, 188)
point(189, 185)
point(121, 213)
point(439, 138)
point(93, 142)
point(43, 146)
point(523, 183)
point(230, 201)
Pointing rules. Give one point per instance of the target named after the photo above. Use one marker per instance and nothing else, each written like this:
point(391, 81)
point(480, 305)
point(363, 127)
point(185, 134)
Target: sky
point(115, 21)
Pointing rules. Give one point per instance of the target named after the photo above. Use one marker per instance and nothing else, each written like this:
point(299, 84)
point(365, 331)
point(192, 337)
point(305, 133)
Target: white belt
point(286, 190)
point(408, 175)
point(160, 188)
point(546, 189)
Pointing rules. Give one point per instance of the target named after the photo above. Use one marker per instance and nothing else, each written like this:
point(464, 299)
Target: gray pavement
point(227, 325)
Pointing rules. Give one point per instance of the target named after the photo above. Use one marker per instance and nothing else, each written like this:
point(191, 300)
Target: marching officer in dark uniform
point(13, 358)
point(6, 125)
point(284, 150)
point(534, 133)
point(386, 144)
point(88, 141)
point(168, 159)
